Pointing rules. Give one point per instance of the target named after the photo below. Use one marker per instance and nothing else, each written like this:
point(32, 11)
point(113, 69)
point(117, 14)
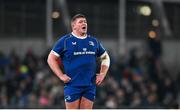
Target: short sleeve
point(59, 46)
point(101, 49)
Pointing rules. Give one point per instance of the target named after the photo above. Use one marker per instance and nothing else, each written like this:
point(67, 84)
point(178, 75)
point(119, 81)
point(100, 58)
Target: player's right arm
point(54, 56)
point(53, 64)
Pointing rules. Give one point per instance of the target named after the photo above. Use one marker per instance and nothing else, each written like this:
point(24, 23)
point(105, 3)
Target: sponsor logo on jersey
point(84, 53)
point(73, 43)
point(67, 98)
point(84, 49)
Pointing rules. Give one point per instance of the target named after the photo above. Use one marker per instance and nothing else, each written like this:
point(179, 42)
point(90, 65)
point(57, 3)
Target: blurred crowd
point(134, 81)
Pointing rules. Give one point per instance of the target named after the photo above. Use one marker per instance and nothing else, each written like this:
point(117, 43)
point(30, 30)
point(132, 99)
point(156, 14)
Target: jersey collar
point(78, 36)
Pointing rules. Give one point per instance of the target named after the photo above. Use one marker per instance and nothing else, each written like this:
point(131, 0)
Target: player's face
point(80, 25)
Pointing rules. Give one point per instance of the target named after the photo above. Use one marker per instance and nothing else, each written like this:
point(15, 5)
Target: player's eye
point(81, 21)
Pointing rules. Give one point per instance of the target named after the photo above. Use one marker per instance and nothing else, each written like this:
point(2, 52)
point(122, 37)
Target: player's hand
point(99, 78)
point(65, 78)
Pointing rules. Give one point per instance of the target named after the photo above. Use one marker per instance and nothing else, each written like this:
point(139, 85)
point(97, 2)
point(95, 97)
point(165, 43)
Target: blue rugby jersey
point(79, 58)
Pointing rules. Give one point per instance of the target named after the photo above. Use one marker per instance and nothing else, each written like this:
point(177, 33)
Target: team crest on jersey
point(91, 43)
point(73, 43)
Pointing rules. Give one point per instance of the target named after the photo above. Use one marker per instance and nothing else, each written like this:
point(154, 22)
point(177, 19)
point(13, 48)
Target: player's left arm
point(105, 63)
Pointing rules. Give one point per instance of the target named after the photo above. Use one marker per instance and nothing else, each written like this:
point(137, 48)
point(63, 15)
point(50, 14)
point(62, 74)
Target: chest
point(81, 46)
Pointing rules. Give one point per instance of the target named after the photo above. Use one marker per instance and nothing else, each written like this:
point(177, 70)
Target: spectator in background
point(155, 47)
point(155, 53)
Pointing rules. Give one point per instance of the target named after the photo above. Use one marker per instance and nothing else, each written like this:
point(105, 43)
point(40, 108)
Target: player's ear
point(73, 28)
point(72, 25)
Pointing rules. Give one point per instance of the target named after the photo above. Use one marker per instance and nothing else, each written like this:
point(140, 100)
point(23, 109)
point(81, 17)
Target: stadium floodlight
point(152, 34)
point(55, 14)
point(155, 22)
point(145, 10)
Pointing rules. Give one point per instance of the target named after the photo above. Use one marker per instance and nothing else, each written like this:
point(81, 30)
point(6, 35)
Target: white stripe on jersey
point(55, 53)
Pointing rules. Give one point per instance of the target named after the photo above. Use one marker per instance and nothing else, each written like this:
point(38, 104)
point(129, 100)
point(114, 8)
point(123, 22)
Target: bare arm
point(52, 62)
point(105, 62)
point(104, 70)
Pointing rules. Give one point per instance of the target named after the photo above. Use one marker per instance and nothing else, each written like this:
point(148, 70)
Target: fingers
point(98, 82)
point(99, 79)
point(66, 78)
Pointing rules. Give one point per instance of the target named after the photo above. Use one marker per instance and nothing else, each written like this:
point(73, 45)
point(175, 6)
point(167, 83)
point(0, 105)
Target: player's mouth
point(84, 27)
